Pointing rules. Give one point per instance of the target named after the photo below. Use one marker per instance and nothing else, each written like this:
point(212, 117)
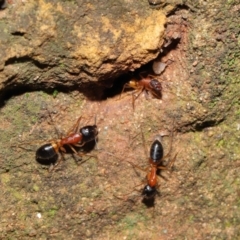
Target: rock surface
point(100, 198)
point(68, 43)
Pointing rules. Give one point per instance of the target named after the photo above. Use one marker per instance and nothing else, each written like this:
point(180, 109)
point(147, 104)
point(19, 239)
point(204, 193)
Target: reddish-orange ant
point(156, 162)
point(146, 84)
point(76, 137)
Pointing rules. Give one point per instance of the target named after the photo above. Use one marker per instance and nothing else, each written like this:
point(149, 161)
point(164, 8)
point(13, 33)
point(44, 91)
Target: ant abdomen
point(156, 151)
point(46, 154)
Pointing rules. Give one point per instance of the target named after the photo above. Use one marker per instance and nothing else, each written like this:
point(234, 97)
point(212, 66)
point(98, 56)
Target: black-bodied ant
point(76, 137)
point(156, 162)
point(146, 84)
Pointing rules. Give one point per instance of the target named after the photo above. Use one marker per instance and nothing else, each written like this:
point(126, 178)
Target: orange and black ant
point(76, 137)
point(156, 163)
point(146, 84)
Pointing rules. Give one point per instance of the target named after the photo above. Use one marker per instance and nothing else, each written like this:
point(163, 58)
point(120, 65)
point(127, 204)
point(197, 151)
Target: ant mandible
point(76, 137)
point(146, 84)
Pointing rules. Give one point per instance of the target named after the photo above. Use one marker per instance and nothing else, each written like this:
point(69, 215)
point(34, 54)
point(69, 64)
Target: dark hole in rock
point(94, 91)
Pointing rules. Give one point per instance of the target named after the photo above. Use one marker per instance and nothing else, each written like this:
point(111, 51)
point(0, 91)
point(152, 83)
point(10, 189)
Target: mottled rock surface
point(100, 197)
point(68, 43)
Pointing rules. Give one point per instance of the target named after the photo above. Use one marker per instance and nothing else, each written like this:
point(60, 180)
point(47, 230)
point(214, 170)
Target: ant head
point(89, 133)
point(149, 192)
point(156, 88)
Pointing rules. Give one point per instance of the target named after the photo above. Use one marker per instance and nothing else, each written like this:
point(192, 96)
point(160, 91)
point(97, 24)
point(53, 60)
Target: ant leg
point(61, 152)
point(144, 144)
point(81, 145)
point(152, 76)
point(123, 197)
point(80, 154)
point(53, 166)
point(85, 154)
point(171, 142)
point(156, 95)
point(75, 127)
point(126, 85)
point(140, 74)
point(78, 145)
point(133, 165)
point(136, 97)
point(136, 166)
point(55, 128)
point(72, 148)
point(169, 164)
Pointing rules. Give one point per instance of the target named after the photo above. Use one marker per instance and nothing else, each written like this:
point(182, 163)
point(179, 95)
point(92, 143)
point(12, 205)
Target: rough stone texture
point(68, 43)
point(101, 197)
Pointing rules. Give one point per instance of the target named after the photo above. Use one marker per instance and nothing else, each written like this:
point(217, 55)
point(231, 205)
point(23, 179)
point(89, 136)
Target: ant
point(76, 137)
point(156, 163)
point(146, 84)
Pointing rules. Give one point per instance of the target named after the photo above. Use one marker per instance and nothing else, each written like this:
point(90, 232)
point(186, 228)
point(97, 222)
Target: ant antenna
point(144, 143)
point(55, 128)
point(172, 133)
point(95, 139)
